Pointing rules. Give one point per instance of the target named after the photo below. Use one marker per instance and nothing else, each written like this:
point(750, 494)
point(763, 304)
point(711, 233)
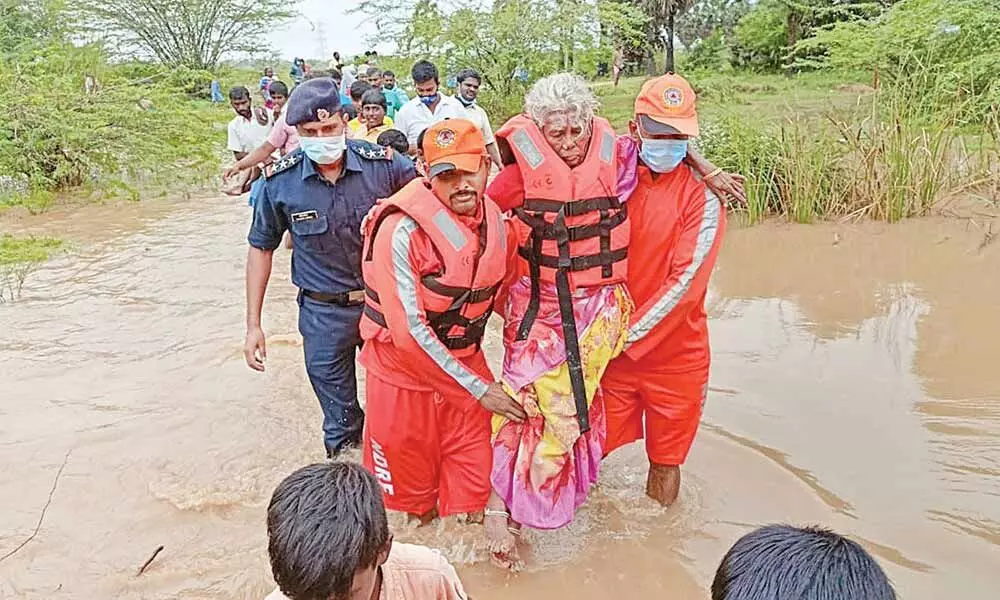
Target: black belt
point(351, 298)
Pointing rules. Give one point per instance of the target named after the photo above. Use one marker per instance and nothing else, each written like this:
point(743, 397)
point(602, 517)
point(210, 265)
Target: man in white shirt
point(249, 128)
point(429, 107)
point(468, 89)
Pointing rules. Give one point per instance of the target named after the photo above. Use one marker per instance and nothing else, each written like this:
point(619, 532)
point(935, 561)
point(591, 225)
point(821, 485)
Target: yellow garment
point(553, 392)
point(370, 135)
point(355, 124)
point(543, 467)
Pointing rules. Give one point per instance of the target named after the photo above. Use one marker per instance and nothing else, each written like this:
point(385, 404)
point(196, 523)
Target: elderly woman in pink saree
point(565, 324)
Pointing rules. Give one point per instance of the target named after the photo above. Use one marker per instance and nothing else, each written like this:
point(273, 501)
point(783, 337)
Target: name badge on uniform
point(307, 215)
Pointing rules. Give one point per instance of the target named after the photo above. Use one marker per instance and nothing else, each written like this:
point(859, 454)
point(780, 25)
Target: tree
point(25, 23)
point(661, 26)
point(512, 35)
point(423, 33)
point(705, 17)
point(390, 17)
point(768, 34)
point(57, 133)
point(191, 33)
point(936, 52)
point(623, 22)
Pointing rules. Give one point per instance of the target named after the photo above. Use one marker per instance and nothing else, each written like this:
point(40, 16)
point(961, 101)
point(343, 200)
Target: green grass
point(14, 250)
point(815, 146)
point(35, 201)
point(19, 257)
point(764, 96)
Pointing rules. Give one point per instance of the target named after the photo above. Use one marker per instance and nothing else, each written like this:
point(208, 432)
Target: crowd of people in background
point(413, 222)
point(376, 105)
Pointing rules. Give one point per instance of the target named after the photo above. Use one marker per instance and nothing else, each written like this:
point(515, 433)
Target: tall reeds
point(889, 158)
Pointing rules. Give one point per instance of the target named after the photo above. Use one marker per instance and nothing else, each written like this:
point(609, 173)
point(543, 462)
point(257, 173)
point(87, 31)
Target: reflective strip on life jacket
point(708, 228)
point(558, 208)
point(425, 337)
point(448, 307)
point(546, 178)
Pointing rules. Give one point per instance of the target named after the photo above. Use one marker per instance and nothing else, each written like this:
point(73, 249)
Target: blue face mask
point(428, 100)
point(663, 156)
point(324, 150)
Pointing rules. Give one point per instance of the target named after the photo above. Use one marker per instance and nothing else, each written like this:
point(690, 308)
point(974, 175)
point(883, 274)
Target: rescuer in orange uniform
point(677, 226)
point(434, 259)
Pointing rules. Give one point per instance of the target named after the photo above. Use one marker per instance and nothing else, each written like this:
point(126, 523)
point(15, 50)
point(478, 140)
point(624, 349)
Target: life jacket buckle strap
point(577, 263)
point(372, 313)
point(533, 256)
point(574, 208)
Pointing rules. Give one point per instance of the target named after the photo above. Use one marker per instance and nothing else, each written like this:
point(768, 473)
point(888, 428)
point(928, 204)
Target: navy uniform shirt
point(325, 218)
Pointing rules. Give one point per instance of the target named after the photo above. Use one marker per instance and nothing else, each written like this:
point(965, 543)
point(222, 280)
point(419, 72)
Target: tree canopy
point(192, 33)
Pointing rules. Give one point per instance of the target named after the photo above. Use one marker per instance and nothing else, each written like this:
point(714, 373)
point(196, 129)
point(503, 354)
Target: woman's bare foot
point(471, 518)
point(501, 535)
point(663, 483)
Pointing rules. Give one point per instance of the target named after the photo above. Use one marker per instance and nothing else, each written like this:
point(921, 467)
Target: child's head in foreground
point(327, 533)
point(780, 562)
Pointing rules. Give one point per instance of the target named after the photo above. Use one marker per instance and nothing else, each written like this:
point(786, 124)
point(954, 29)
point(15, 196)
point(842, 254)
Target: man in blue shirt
point(395, 97)
point(321, 192)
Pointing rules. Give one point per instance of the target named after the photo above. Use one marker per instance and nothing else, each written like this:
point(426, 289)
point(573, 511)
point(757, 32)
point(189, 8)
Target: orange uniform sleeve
point(686, 277)
point(403, 254)
point(507, 188)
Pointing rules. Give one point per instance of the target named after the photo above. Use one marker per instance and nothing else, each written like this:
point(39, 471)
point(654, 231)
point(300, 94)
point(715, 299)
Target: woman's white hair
point(565, 93)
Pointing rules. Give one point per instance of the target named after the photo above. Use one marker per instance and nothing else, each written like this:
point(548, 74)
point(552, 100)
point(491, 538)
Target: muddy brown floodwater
point(855, 384)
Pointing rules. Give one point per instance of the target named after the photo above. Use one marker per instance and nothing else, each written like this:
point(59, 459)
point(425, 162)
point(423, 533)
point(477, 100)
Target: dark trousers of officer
point(330, 338)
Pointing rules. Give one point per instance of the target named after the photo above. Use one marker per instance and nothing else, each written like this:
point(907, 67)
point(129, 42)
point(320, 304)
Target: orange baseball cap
point(453, 144)
point(666, 105)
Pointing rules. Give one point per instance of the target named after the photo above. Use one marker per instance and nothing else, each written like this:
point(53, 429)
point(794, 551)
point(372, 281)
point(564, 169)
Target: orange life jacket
point(459, 299)
point(573, 217)
point(575, 231)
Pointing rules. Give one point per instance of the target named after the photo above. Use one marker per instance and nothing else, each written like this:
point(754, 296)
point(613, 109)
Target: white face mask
point(663, 156)
point(324, 150)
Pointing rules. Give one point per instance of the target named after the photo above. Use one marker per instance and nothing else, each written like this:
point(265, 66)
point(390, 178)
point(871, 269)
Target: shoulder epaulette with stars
point(370, 151)
point(286, 162)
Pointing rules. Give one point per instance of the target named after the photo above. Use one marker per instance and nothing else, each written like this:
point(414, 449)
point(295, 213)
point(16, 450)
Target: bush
point(885, 162)
point(137, 124)
point(18, 258)
point(708, 54)
point(125, 131)
point(946, 49)
point(762, 38)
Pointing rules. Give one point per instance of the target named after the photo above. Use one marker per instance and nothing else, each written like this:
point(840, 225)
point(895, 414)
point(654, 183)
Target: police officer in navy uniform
point(321, 192)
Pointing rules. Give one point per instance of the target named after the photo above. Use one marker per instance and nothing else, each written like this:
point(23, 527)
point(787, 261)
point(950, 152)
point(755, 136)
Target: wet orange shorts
point(670, 404)
point(426, 451)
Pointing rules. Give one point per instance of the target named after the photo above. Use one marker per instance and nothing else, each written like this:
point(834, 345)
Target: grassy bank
point(19, 256)
point(820, 147)
point(77, 121)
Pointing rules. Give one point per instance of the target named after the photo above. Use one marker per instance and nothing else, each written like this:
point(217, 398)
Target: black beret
point(309, 97)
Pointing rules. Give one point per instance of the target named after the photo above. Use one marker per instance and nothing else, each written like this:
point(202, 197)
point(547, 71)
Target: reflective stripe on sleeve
point(406, 287)
point(707, 231)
